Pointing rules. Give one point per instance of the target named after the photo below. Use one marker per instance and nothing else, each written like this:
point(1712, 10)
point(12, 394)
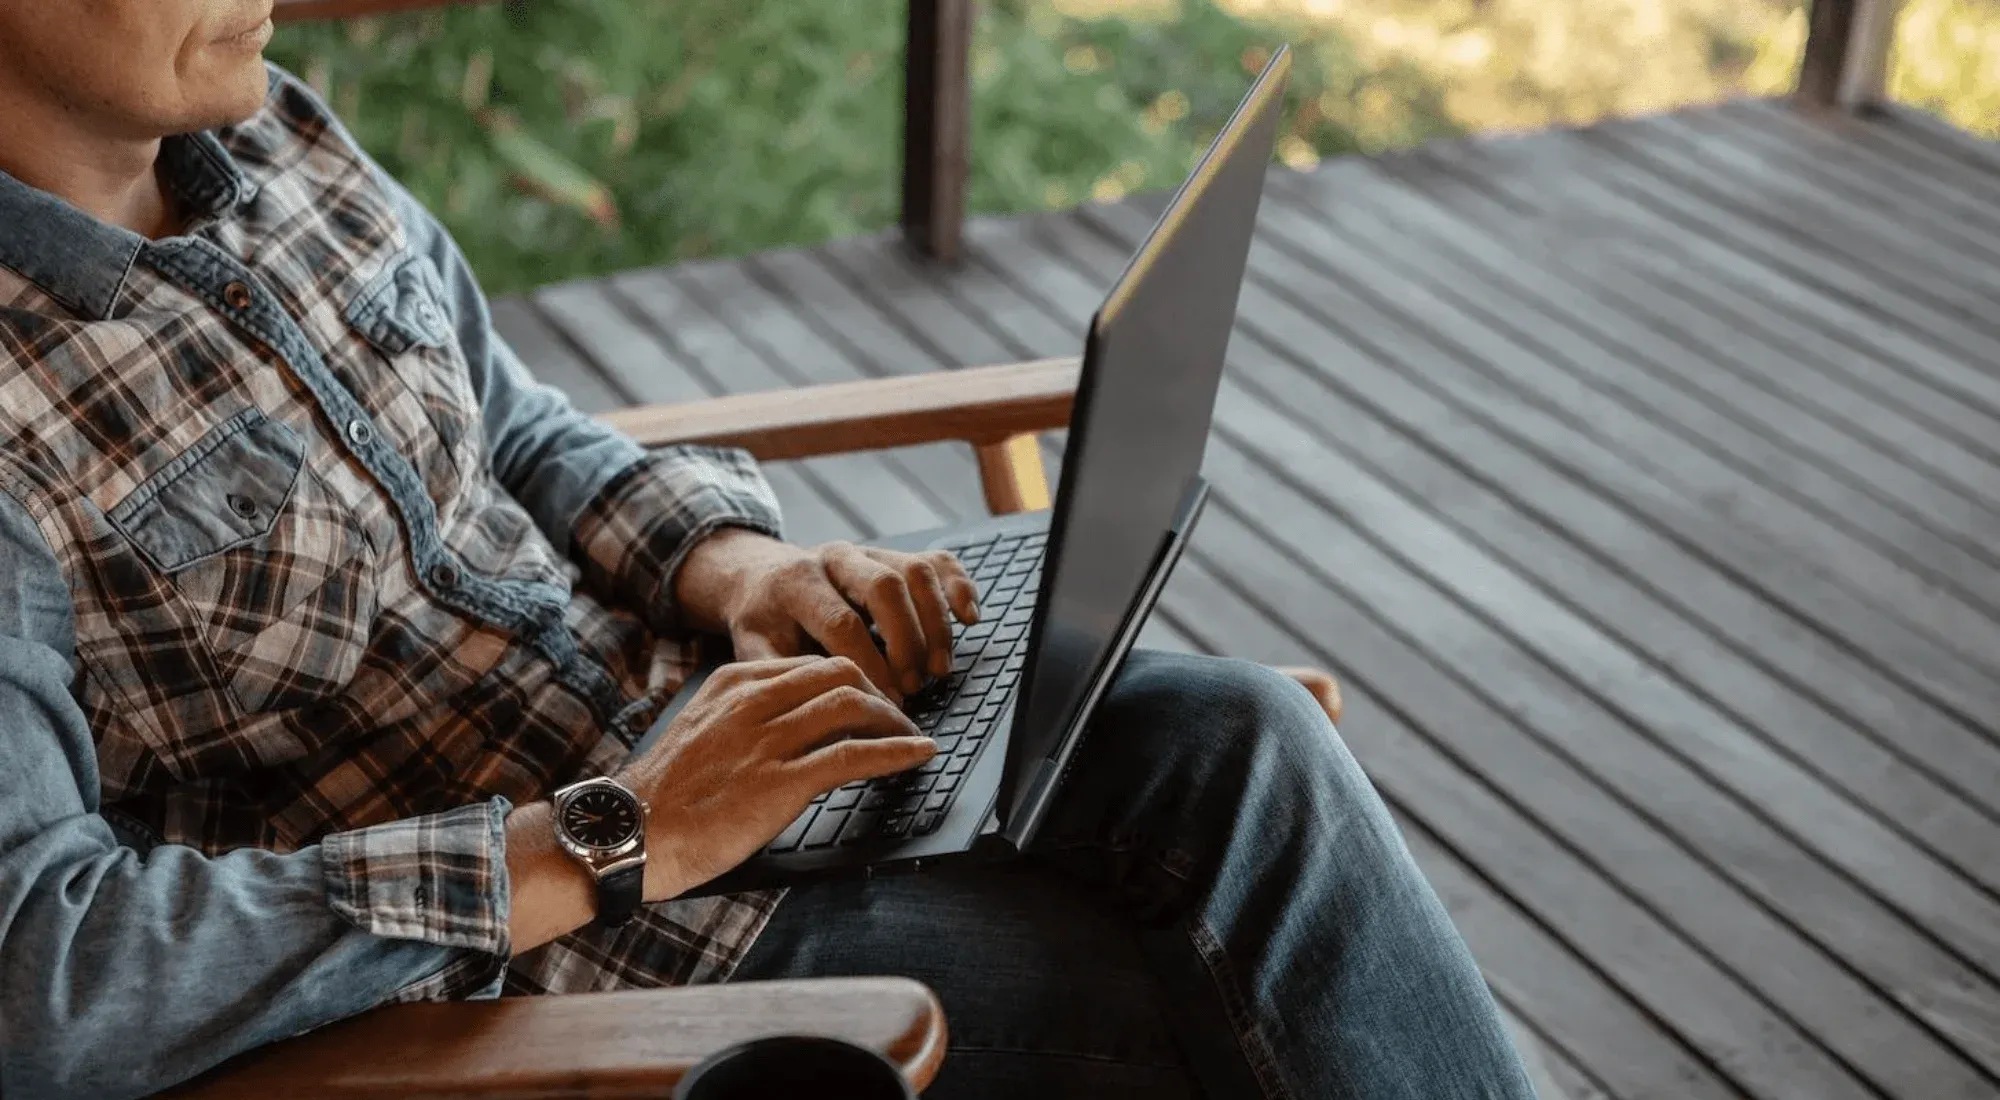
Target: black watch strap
point(619, 895)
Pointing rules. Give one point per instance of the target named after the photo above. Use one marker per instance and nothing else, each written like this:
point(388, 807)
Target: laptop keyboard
point(960, 711)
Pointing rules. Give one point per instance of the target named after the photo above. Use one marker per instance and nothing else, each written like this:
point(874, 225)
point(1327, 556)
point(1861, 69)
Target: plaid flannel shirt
point(304, 582)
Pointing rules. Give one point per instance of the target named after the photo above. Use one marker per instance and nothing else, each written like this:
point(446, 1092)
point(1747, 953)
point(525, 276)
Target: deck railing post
point(1846, 63)
point(937, 108)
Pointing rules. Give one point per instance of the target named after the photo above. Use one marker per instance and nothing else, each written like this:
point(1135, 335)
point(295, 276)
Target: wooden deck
point(1641, 483)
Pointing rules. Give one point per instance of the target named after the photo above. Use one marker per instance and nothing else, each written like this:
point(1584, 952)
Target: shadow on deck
point(1641, 483)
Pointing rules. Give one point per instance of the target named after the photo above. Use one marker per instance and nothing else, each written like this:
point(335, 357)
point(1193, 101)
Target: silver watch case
point(602, 861)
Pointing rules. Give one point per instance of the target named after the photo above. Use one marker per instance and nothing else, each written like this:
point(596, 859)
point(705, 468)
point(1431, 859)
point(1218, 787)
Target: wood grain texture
point(1010, 471)
point(980, 406)
point(634, 1044)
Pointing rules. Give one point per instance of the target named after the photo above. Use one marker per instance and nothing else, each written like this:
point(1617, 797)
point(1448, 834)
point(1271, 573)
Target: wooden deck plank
point(1852, 161)
point(1842, 589)
point(1729, 604)
point(1928, 177)
point(1701, 443)
point(1888, 558)
point(1641, 487)
point(1952, 273)
point(1675, 196)
point(1241, 427)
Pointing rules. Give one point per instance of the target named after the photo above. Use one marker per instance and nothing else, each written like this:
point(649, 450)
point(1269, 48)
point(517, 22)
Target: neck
point(113, 179)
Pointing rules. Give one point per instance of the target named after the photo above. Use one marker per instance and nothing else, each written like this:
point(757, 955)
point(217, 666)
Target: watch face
point(601, 817)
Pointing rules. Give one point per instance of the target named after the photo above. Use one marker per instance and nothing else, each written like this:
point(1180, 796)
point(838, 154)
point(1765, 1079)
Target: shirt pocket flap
point(399, 309)
point(225, 491)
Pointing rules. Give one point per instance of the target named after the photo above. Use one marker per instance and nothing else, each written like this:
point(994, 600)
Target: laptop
point(1062, 593)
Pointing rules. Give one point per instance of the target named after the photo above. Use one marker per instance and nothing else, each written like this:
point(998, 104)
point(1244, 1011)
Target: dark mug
point(795, 1065)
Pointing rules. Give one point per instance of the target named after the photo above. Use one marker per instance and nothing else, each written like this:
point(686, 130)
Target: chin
point(231, 97)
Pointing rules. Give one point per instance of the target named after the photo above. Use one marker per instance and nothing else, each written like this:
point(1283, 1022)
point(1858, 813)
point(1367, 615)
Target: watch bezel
point(603, 859)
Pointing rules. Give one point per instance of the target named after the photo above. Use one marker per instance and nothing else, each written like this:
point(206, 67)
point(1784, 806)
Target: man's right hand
point(747, 754)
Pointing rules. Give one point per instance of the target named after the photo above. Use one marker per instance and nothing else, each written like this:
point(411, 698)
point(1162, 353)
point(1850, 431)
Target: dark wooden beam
point(1846, 59)
point(937, 109)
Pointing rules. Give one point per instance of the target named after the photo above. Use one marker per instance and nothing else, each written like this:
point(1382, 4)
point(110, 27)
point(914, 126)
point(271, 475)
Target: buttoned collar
point(82, 262)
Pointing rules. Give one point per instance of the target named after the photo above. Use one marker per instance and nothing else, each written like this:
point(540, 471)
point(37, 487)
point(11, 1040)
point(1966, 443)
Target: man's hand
point(748, 753)
point(774, 599)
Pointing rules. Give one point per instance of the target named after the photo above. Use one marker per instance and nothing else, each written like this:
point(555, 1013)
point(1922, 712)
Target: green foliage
point(559, 138)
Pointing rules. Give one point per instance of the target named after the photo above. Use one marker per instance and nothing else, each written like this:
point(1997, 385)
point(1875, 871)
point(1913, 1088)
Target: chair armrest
point(601, 1045)
point(979, 405)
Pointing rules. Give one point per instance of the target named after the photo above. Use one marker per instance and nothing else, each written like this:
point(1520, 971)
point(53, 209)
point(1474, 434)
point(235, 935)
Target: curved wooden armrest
point(978, 405)
point(601, 1045)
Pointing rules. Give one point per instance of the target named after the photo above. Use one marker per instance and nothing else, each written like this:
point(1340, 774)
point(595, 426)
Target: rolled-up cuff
point(439, 879)
point(633, 538)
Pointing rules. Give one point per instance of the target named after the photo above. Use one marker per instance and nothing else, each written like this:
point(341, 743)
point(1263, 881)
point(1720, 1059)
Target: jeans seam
point(1257, 1052)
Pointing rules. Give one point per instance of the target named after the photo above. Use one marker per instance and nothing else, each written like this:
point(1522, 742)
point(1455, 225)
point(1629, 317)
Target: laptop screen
point(1141, 422)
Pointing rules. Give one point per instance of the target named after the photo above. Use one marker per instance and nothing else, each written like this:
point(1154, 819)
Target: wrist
point(550, 894)
point(713, 571)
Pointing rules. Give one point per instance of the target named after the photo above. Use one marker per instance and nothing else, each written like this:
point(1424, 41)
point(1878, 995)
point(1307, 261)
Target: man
point(309, 598)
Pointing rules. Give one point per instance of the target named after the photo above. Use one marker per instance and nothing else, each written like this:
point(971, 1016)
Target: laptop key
point(877, 797)
point(824, 828)
point(860, 827)
point(947, 743)
point(957, 765)
point(954, 726)
point(946, 784)
point(976, 685)
point(937, 802)
point(789, 839)
point(843, 797)
point(898, 826)
point(927, 822)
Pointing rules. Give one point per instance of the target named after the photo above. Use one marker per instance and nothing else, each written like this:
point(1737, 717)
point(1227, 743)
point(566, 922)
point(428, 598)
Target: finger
point(958, 587)
point(808, 682)
point(825, 614)
point(843, 762)
point(741, 672)
point(883, 591)
point(845, 712)
point(927, 596)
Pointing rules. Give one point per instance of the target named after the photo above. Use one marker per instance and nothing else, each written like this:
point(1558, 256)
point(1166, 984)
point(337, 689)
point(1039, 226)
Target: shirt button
point(237, 295)
point(444, 575)
point(243, 506)
point(359, 433)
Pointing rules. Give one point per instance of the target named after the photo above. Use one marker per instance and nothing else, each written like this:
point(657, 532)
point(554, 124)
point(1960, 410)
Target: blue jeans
point(1220, 907)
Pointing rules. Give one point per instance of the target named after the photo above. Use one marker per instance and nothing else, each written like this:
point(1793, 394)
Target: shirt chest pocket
point(267, 561)
point(425, 396)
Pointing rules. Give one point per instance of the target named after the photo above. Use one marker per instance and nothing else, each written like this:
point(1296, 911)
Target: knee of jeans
point(1212, 705)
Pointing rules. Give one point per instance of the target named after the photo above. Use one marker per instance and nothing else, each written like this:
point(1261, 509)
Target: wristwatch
point(602, 825)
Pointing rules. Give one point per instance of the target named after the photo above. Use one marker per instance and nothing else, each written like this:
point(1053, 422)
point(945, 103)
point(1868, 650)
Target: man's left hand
point(774, 599)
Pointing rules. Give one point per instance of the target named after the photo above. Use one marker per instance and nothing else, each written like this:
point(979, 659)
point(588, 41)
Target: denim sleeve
point(627, 516)
point(125, 970)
